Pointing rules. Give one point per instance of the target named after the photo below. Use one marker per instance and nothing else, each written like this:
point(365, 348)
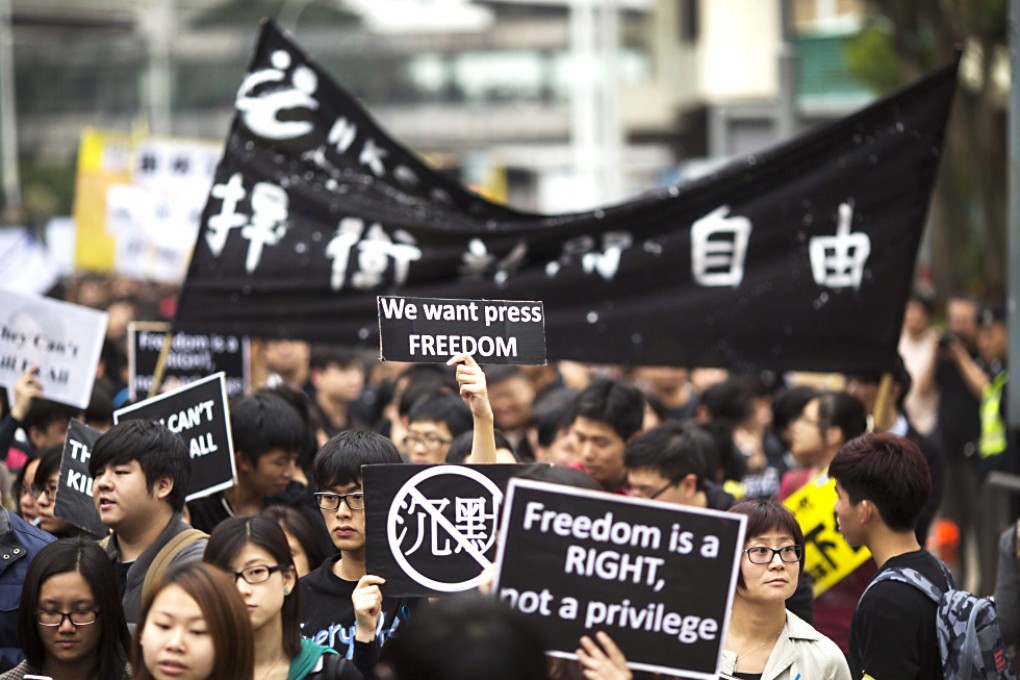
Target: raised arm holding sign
point(471, 380)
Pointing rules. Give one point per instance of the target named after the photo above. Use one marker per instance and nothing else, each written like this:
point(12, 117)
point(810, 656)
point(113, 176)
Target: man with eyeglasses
point(434, 422)
point(343, 607)
point(667, 464)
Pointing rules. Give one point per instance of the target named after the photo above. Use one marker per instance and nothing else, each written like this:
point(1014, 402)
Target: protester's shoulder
point(323, 580)
point(900, 595)
point(718, 498)
point(30, 537)
point(193, 546)
point(329, 665)
point(821, 647)
point(16, 673)
point(294, 494)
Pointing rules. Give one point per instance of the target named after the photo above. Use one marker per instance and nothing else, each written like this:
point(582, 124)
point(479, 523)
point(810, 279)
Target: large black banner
point(797, 257)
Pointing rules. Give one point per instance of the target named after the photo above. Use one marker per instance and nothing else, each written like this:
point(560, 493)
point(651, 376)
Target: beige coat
point(801, 653)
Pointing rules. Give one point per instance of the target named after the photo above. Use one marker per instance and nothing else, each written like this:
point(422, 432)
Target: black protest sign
point(432, 330)
point(800, 256)
point(658, 578)
point(74, 487)
point(191, 357)
point(199, 413)
point(431, 529)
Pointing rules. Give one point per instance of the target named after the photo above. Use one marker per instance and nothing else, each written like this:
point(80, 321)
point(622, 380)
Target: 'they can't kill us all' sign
point(433, 330)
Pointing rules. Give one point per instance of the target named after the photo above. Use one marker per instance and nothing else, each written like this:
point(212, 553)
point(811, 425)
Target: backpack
point(970, 642)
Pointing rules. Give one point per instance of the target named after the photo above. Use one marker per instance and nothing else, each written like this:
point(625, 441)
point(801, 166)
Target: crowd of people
point(267, 579)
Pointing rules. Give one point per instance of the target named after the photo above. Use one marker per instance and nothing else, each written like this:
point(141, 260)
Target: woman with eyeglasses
point(44, 489)
point(765, 641)
point(254, 550)
point(25, 503)
point(71, 624)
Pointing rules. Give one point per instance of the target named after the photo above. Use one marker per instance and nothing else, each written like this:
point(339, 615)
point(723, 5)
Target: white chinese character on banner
point(838, 261)
point(228, 218)
point(268, 223)
point(342, 134)
point(261, 112)
point(473, 522)
point(318, 157)
point(719, 262)
point(372, 155)
point(607, 262)
point(478, 260)
point(375, 251)
point(339, 249)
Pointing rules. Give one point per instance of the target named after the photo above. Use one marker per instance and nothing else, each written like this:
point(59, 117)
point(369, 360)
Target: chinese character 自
point(719, 262)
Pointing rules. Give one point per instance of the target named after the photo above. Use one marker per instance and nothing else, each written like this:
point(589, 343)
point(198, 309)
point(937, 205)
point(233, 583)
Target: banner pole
point(157, 375)
point(881, 403)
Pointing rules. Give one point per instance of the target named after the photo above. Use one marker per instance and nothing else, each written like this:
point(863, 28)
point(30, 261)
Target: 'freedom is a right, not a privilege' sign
point(658, 578)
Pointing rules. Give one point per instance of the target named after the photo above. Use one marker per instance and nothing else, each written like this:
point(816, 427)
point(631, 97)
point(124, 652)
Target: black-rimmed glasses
point(50, 489)
point(760, 554)
point(260, 573)
point(54, 618)
point(331, 501)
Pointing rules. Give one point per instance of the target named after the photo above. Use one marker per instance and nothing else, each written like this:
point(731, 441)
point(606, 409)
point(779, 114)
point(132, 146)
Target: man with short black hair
point(433, 423)
point(140, 472)
point(865, 387)
point(882, 483)
point(667, 463)
point(607, 415)
point(338, 376)
point(342, 605)
point(268, 435)
point(46, 422)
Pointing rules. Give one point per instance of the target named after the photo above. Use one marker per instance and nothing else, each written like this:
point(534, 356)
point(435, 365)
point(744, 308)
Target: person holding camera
point(960, 380)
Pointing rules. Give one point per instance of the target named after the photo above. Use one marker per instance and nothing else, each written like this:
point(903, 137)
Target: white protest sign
point(61, 339)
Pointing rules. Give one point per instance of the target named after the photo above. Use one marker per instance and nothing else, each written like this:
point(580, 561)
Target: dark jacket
point(132, 597)
point(19, 543)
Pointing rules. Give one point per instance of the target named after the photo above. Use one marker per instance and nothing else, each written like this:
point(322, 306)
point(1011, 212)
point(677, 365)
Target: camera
point(947, 338)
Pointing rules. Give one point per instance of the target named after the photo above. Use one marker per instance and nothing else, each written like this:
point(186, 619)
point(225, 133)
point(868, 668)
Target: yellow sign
point(104, 159)
point(827, 556)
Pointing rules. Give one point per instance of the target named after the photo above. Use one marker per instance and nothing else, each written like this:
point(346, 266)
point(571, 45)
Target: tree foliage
point(903, 40)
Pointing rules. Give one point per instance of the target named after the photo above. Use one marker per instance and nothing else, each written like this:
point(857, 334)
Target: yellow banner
point(827, 556)
point(104, 159)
